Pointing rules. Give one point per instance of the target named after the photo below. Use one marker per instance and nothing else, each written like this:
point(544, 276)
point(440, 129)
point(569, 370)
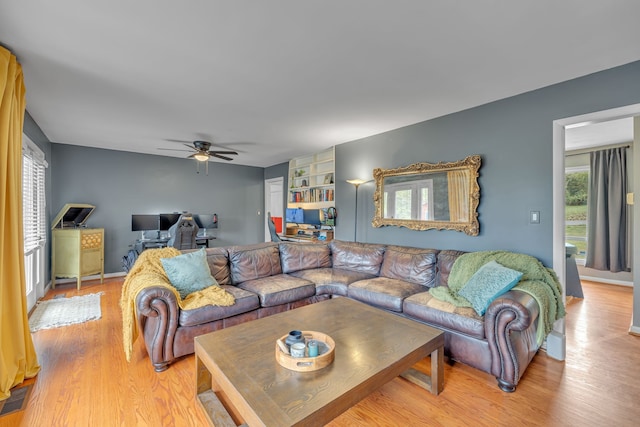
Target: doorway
point(273, 202)
point(580, 142)
point(557, 338)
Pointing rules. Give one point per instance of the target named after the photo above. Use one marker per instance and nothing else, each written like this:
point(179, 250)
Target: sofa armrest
point(510, 328)
point(158, 314)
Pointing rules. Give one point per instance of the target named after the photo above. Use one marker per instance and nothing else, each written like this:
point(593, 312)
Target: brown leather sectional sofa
point(270, 278)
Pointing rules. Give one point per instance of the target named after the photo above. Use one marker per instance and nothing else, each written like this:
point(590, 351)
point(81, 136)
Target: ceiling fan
point(202, 153)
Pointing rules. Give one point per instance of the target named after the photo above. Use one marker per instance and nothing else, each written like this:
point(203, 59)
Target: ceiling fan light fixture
point(201, 157)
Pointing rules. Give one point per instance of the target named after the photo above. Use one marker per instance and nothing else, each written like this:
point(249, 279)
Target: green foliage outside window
point(576, 188)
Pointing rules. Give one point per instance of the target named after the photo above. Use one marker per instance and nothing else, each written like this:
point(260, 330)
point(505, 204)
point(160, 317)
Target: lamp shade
point(201, 157)
point(356, 181)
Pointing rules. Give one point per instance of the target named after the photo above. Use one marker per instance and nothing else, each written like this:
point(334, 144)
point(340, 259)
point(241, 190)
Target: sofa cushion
point(332, 281)
point(218, 260)
point(279, 289)
point(245, 301)
point(304, 256)
point(413, 265)
point(446, 258)
point(363, 257)
point(383, 292)
point(254, 262)
point(188, 272)
point(490, 281)
point(423, 306)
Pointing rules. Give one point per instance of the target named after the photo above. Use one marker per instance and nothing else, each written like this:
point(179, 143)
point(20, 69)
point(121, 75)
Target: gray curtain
point(607, 217)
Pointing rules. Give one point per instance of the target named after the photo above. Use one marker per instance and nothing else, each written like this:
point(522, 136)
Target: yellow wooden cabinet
point(77, 251)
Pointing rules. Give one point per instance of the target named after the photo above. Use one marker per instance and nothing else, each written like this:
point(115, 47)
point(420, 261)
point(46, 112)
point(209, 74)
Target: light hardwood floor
point(85, 380)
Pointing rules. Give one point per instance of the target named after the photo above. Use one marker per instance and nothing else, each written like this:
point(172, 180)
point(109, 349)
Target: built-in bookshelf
point(311, 181)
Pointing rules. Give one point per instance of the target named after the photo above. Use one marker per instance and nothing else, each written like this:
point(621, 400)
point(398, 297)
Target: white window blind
point(33, 198)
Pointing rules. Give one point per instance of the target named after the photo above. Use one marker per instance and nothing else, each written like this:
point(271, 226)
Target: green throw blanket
point(537, 280)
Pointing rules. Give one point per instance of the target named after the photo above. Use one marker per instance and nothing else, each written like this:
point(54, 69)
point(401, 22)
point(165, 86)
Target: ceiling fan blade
point(190, 146)
point(212, 152)
point(219, 156)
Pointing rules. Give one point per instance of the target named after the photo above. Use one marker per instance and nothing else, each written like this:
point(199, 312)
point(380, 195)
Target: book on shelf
point(312, 195)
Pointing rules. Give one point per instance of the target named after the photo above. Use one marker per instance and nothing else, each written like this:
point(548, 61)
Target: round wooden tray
point(307, 364)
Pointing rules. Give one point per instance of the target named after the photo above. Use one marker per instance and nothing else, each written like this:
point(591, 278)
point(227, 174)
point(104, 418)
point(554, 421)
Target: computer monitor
point(312, 216)
point(294, 215)
point(168, 219)
point(144, 223)
point(206, 220)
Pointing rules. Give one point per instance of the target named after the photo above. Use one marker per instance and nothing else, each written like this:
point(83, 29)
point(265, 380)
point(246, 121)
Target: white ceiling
point(281, 78)
point(590, 135)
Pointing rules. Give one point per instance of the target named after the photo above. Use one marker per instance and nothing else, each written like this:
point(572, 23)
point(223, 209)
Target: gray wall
point(277, 171)
point(120, 184)
point(514, 138)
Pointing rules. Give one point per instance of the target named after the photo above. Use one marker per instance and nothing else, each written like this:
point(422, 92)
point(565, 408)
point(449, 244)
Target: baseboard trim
point(607, 281)
point(94, 277)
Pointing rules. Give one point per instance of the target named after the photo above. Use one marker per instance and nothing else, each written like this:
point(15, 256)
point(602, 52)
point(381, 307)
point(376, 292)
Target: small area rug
point(58, 312)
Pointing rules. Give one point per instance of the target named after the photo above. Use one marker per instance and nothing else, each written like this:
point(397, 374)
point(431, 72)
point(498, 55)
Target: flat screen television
point(167, 220)
point(206, 220)
point(145, 222)
point(312, 217)
point(294, 215)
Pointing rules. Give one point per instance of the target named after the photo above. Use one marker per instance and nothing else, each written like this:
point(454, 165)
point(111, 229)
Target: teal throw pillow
point(189, 272)
point(489, 282)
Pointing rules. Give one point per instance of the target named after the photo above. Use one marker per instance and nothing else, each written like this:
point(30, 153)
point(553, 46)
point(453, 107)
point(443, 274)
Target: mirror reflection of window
point(385, 214)
point(402, 204)
point(426, 201)
point(409, 200)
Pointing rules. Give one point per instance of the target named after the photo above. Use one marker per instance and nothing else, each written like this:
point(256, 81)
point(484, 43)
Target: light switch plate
point(534, 217)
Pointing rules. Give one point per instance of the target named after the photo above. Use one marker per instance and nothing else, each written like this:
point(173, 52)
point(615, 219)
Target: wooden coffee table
point(239, 381)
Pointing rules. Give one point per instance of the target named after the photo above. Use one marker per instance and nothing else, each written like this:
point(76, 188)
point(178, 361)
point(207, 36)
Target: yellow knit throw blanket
point(148, 271)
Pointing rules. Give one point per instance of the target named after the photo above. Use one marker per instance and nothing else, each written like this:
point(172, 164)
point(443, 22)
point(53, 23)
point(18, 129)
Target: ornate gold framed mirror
point(425, 196)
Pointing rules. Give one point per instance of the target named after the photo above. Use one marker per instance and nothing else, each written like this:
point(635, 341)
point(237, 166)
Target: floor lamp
point(356, 183)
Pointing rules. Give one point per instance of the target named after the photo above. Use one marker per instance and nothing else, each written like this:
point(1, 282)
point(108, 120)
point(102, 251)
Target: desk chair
point(182, 234)
point(272, 229)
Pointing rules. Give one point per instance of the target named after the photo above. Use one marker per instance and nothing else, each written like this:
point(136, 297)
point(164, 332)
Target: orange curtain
point(458, 196)
point(18, 358)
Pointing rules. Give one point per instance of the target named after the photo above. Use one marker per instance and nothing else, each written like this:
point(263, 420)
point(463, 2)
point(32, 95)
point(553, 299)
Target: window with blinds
point(33, 198)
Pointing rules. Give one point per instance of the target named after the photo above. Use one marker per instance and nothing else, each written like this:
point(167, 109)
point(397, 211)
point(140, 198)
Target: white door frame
point(556, 342)
point(272, 202)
